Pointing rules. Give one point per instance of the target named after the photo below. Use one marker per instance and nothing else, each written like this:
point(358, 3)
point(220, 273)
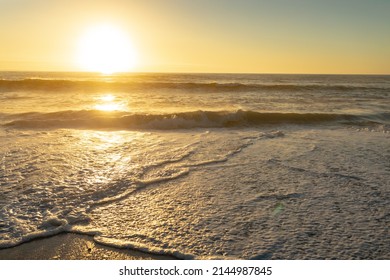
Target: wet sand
point(69, 246)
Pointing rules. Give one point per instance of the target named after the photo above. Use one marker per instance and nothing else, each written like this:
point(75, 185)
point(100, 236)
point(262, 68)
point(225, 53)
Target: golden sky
point(252, 36)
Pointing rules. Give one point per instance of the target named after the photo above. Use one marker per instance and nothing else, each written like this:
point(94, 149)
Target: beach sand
point(69, 246)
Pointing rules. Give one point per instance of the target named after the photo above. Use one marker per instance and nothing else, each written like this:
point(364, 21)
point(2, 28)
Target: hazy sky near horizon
point(257, 36)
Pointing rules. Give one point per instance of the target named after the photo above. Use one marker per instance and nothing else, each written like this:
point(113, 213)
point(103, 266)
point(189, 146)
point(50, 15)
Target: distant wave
point(54, 85)
point(93, 119)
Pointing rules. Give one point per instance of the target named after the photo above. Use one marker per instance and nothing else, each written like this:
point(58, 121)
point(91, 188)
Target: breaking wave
point(94, 119)
point(89, 85)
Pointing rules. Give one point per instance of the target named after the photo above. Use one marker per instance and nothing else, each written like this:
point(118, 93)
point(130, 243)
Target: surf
point(95, 119)
point(36, 84)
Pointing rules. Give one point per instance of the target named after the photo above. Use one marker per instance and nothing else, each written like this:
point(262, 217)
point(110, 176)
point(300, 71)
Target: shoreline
point(73, 246)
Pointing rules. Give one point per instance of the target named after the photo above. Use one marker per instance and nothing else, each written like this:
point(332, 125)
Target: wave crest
point(88, 85)
point(94, 119)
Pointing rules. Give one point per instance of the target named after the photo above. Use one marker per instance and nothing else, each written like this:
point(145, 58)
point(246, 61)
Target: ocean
point(199, 166)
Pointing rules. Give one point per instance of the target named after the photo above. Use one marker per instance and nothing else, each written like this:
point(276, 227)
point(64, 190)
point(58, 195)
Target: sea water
point(199, 165)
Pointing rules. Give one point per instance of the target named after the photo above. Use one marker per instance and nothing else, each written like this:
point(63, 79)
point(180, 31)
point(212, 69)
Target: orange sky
point(281, 36)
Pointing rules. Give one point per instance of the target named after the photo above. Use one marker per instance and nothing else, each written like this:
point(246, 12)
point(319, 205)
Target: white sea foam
point(57, 203)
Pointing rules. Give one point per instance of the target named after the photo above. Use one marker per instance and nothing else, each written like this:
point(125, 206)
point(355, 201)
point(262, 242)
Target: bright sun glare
point(106, 49)
point(108, 103)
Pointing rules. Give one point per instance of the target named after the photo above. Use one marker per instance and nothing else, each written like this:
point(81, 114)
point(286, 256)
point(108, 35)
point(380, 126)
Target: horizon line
point(197, 72)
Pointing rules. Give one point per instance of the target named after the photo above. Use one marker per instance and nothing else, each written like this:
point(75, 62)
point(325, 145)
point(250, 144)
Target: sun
point(106, 49)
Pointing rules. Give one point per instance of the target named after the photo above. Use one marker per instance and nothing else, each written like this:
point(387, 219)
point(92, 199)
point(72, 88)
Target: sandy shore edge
point(71, 246)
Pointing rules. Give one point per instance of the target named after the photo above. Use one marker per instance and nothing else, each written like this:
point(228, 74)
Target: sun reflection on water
point(104, 150)
point(108, 103)
point(108, 107)
point(107, 98)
